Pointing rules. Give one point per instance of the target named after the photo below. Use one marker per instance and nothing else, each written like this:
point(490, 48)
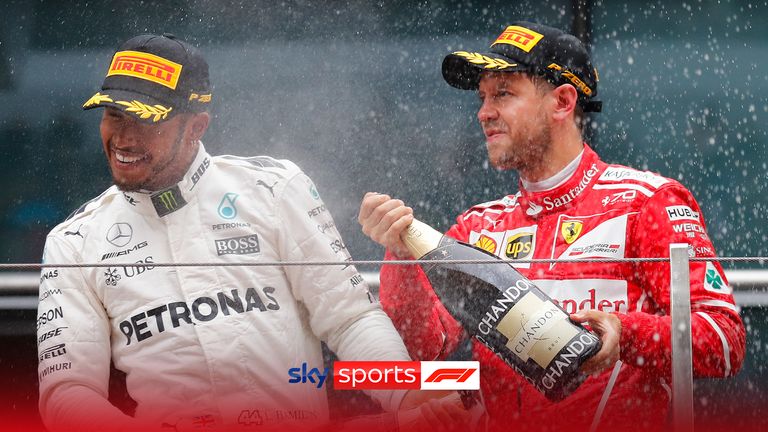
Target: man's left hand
point(608, 328)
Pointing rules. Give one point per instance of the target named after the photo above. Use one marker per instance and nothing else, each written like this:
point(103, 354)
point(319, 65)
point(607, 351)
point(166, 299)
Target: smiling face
point(513, 114)
point(148, 156)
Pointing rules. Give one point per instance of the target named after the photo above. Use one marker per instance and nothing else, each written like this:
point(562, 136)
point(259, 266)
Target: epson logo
point(49, 315)
point(238, 245)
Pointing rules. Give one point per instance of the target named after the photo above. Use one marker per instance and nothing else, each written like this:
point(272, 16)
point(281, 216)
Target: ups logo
point(519, 246)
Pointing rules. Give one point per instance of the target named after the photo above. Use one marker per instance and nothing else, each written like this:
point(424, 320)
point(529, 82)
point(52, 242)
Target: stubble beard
point(151, 182)
point(527, 152)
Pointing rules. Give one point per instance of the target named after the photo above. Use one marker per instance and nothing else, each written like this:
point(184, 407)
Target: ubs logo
point(120, 234)
point(112, 274)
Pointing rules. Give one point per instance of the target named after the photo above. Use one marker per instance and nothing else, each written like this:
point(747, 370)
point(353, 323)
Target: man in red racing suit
point(571, 206)
point(601, 211)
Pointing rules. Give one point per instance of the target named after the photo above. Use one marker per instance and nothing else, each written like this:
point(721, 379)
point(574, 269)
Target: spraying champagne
point(506, 312)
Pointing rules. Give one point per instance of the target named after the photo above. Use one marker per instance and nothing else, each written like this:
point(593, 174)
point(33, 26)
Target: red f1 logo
point(458, 376)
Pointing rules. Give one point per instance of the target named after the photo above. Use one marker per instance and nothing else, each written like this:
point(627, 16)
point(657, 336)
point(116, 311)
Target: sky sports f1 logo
point(392, 375)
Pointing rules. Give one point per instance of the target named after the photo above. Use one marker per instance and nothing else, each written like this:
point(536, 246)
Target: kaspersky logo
point(168, 201)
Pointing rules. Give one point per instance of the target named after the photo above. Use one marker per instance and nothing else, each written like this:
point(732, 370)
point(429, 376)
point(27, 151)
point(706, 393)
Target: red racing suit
point(601, 211)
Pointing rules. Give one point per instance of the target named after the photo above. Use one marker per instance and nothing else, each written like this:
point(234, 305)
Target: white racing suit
point(203, 345)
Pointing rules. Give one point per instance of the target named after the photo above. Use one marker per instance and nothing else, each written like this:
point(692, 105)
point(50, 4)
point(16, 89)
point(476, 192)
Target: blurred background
point(352, 92)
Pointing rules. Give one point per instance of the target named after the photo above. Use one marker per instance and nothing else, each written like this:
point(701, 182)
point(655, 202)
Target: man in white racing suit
point(202, 346)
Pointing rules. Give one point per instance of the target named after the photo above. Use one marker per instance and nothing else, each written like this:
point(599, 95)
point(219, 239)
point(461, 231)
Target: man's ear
point(565, 101)
point(198, 125)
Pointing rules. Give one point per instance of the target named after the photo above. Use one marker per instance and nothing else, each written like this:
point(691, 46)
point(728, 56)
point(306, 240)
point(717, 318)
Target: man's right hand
point(383, 219)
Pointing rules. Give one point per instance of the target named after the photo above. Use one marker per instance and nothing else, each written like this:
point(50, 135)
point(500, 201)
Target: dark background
point(352, 92)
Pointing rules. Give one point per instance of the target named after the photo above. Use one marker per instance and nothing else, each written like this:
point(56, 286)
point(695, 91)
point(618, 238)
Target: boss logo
point(238, 245)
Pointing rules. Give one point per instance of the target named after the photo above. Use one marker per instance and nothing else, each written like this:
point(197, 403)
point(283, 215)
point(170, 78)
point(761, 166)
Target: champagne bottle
point(506, 312)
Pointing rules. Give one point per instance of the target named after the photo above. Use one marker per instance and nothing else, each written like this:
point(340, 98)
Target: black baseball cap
point(537, 49)
point(154, 77)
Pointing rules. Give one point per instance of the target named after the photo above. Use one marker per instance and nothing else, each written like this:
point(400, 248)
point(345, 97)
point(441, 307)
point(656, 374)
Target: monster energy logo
point(168, 201)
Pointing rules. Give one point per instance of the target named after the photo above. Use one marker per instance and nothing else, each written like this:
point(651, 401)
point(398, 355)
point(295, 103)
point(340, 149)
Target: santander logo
point(553, 203)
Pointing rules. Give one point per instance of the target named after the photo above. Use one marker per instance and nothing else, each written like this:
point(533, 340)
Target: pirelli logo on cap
point(521, 37)
point(146, 66)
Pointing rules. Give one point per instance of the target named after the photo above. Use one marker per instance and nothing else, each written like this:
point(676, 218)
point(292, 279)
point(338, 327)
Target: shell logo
point(486, 243)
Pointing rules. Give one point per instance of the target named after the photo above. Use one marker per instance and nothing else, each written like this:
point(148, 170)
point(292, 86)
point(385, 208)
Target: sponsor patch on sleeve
point(682, 212)
point(714, 280)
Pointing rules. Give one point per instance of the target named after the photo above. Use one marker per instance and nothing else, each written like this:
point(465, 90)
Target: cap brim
point(142, 107)
point(462, 69)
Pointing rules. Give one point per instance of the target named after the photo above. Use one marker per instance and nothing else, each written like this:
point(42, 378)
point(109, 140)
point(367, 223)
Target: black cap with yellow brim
point(154, 77)
point(532, 48)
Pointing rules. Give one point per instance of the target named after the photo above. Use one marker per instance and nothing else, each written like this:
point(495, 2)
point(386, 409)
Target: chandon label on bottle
point(499, 308)
point(533, 330)
point(566, 359)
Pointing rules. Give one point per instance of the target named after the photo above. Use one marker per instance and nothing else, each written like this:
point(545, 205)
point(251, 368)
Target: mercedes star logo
point(120, 234)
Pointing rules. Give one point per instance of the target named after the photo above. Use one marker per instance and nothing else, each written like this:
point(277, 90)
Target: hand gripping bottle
point(506, 312)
